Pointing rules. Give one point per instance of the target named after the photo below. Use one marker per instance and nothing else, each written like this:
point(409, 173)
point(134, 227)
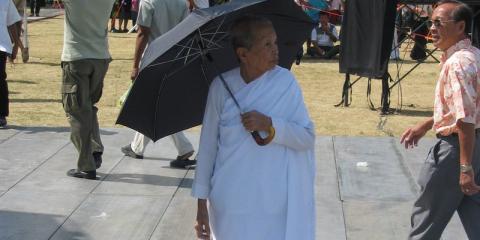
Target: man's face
point(445, 31)
point(324, 20)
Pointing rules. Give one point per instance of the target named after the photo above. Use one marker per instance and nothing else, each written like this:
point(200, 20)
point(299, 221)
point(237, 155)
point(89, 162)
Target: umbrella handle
point(263, 141)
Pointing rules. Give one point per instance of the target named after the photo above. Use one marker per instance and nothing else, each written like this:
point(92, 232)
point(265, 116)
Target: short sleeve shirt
point(458, 88)
point(85, 34)
point(161, 15)
point(322, 38)
point(8, 16)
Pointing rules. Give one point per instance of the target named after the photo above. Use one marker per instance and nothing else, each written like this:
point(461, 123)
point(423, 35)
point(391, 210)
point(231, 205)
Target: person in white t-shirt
point(323, 39)
point(8, 18)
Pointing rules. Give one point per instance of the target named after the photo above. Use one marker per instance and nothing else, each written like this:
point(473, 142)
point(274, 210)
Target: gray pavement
point(145, 199)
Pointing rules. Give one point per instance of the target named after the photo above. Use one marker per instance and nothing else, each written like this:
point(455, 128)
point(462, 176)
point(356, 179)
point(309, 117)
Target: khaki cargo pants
point(81, 89)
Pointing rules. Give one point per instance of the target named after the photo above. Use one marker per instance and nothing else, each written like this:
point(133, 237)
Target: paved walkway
point(145, 199)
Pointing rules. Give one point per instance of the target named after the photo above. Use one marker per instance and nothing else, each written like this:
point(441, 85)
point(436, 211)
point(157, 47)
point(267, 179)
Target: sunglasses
point(437, 23)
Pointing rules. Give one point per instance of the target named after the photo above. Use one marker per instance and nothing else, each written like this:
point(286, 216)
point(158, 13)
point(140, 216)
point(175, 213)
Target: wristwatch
point(465, 168)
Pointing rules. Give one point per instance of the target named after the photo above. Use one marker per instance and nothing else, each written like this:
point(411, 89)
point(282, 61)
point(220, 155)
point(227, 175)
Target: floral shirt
point(458, 88)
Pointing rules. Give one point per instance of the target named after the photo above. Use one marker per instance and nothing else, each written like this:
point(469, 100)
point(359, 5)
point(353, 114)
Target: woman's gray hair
point(242, 31)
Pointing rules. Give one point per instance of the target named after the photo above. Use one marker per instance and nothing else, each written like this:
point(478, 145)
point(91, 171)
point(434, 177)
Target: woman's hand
point(202, 227)
point(256, 121)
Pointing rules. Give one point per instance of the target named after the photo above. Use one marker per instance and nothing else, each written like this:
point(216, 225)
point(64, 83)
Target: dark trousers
point(329, 51)
point(35, 7)
point(3, 85)
point(440, 194)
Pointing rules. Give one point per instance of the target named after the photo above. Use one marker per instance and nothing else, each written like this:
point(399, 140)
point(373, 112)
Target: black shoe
point(82, 174)
point(3, 122)
point(97, 156)
point(182, 163)
point(114, 30)
point(127, 150)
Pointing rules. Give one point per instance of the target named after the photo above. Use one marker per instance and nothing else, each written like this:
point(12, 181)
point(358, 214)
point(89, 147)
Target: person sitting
point(256, 188)
point(323, 39)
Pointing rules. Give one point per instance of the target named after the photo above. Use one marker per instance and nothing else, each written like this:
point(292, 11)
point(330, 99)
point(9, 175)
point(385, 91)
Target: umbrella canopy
point(170, 92)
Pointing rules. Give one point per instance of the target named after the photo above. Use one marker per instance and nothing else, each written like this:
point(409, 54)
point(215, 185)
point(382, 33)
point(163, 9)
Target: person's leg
point(78, 107)
point(440, 193)
point(4, 108)
point(96, 87)
point(469, 210)
point(139, 143)
point(32, 8)
point(182, 144)
point(332, 52)
point(134, 18)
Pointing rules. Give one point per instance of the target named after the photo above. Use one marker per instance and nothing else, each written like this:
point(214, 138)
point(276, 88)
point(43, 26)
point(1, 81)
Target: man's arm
point(466, 138)
point(412, 135)
point(12, 29)
point(141, 44)
point(332, 34)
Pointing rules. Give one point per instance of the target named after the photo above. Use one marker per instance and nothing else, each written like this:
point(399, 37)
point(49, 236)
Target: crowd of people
point(247, 191)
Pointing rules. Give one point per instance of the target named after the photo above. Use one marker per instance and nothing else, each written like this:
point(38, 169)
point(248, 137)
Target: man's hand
point(202, 227)
point(134, 74)
point(256, 121)
point(467, 183)
point(411, 136)
point(13, 56)
point(325, 28)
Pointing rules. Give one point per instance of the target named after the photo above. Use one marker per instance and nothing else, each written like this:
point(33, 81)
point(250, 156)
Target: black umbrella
point(170, 92)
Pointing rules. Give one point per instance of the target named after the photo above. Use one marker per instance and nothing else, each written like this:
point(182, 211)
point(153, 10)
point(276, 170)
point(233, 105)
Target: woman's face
point(263, 55)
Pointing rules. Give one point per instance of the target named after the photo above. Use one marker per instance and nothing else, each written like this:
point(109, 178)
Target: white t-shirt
point(8, 16)
point(322, 38)
point(202, 3)
point(161, 15)
point(335, 4)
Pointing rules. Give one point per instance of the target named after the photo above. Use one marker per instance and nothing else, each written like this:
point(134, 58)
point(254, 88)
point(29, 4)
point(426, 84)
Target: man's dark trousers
point(3, 85)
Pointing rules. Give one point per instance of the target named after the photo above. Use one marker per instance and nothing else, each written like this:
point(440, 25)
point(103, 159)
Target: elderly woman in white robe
point(255, 192)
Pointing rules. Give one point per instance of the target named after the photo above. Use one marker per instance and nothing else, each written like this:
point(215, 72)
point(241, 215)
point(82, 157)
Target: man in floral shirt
point(448, 177)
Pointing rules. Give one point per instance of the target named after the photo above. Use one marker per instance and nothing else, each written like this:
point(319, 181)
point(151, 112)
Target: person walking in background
point(155, 18)
point(134, 13)
point(8, 33)
point(85, 61)
point(449, 176)
point(35, 6)
point(125, 14)
point(114, 15)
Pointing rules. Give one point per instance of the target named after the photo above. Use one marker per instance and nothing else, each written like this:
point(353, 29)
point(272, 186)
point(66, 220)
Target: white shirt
point(335, 4)
point(202, 3)
point(8, 16)
point(322, 38)
point(161, 15)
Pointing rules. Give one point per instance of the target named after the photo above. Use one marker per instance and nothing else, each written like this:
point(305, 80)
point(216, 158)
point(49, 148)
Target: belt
point(477, 133)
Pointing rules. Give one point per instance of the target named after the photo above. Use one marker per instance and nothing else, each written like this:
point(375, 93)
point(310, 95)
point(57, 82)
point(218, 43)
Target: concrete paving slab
point(329, 209)
point(178, 221)
point(114, 217)
point(385, 177)
point(34, 215)
point(6, 134)
point(26, 151)
point(377, 220)
point(142, 177)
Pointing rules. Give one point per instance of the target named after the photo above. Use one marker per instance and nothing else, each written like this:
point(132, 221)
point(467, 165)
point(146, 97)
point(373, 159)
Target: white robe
point(257, 192)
